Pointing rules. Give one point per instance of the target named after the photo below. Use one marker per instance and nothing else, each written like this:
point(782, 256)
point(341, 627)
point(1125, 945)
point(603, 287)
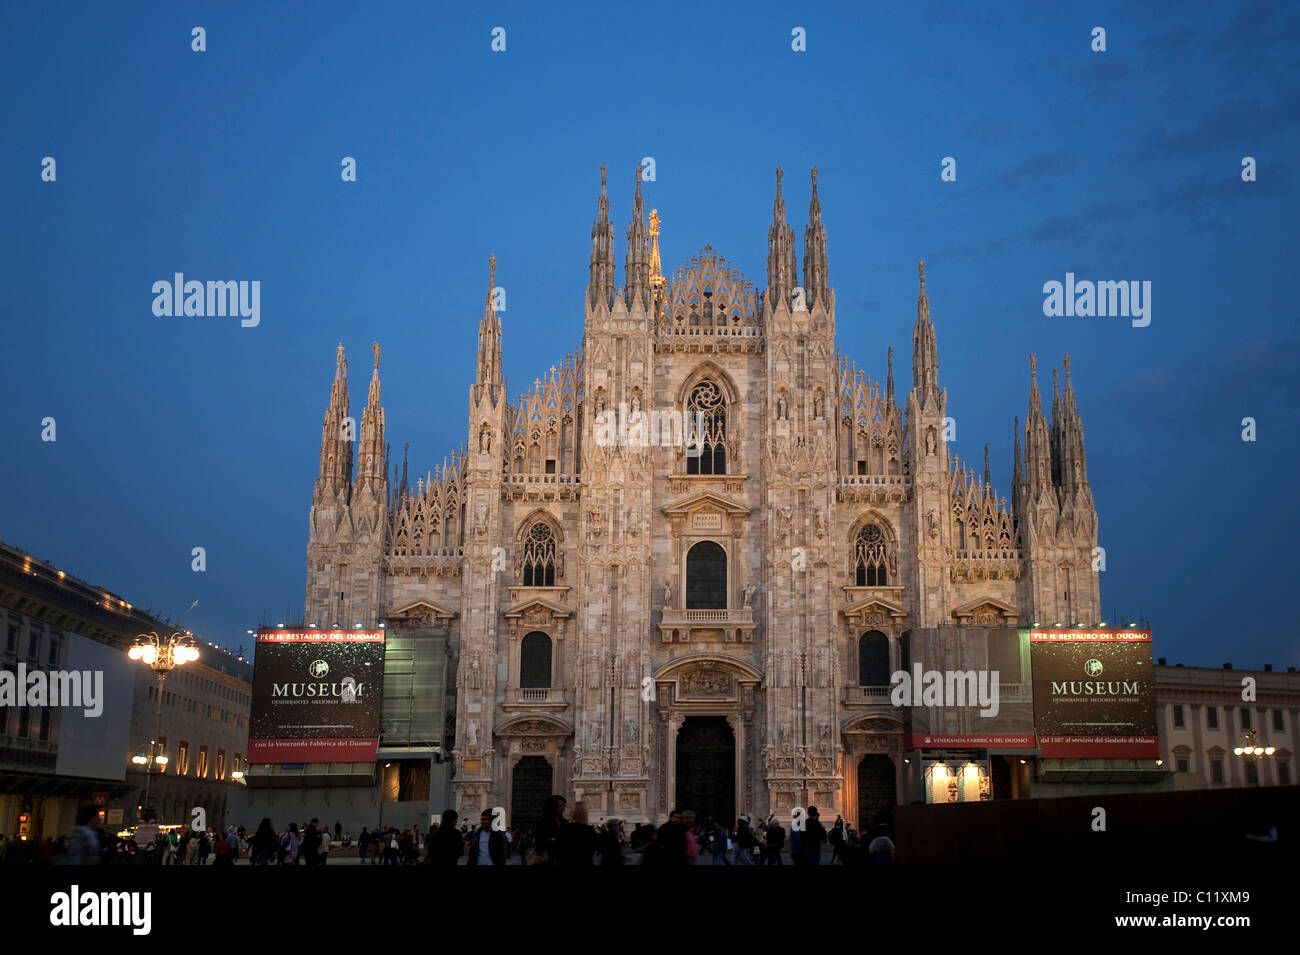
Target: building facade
point(55, 758)
point(1205, 714)
point(676, 570)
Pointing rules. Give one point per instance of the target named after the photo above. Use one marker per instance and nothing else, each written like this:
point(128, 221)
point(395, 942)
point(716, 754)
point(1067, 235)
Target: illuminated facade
point(708, 613)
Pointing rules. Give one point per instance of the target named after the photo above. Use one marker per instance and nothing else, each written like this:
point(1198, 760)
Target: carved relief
point(705, 682)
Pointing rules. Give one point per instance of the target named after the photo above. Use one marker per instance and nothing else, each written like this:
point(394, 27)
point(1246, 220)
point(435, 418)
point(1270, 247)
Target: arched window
point(539, 556)
point(706, 577)
point(706, 430)
point(870, 557)
point(535, 661)
point(873, 659)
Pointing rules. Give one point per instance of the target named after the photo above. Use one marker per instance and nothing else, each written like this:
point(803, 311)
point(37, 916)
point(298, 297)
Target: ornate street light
point(163, 654)
point(1249, 748)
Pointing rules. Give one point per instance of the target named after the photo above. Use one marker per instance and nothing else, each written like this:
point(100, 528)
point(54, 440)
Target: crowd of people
point(684, 839)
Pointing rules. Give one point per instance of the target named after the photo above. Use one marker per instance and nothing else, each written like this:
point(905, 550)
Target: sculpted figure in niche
point(485, 441)
point(749, 595)
point(668, 593)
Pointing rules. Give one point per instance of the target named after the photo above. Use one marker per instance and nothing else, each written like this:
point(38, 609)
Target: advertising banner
point(316, 696)
point(965, 687)
point(1094, 694)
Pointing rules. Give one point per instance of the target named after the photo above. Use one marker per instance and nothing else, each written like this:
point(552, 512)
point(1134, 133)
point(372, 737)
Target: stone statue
point(820, 517)
point(749, 595)
point(485, 441)
point(780, 406)
point(668, 593)
point(785, 738)
point(929, 441)
point(472, 732)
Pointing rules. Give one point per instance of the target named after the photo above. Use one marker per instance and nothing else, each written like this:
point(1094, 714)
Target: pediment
point(423, 610)
point(706, 500)
point(875, 604)
point(985, 611)
point(537, 607)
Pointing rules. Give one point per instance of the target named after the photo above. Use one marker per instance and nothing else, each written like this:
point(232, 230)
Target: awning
point(304, 775)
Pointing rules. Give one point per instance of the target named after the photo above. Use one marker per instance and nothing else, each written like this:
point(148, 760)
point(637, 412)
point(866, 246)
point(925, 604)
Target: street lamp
point(1249, 748)
point(163, 654)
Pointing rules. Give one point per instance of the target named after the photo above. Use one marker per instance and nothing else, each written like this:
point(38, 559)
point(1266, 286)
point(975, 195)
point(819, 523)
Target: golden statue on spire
point(656, 271)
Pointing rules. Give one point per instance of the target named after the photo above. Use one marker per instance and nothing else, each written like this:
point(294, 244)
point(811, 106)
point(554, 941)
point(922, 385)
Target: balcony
point(724, 626)
point(541, 487)
point(867, 695)
point(535, 698)
point(873, 488)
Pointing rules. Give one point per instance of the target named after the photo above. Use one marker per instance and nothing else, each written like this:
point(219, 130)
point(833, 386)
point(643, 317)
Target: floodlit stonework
point(712, 616)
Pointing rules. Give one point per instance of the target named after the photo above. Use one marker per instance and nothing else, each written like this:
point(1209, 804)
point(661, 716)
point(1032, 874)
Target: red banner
point(312, 750)
point(972, 742)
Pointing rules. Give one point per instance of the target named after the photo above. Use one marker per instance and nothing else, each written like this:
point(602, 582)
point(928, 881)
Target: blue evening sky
point(181, 432)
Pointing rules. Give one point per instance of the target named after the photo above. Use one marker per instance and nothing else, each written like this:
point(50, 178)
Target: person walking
point(83, 844)
point(775, 842)
point(363, 844)
point(577, 842)
point(486, 846)
point(338, 831)
point(322, 854)
point(264, 843)
point(692, 841)
point(445, 844)
point(610, 843)
point(289, 845)
point(837, 840)
point(311, 842)
point(814, 837)
point(392, 845)
point(745, 842)
point(719, 843)
point(548, 833)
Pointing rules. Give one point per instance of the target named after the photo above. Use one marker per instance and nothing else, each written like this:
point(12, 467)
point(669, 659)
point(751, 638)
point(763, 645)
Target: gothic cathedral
point(703, 611)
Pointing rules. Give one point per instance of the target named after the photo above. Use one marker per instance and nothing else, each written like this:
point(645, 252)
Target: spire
point(656, 270)
point(1056, 428)
point(600, 287)
point(1017, 474)
point(780, 251)
point(371, 466)
point(405, 487)
point(890, 382)
point(335, 481)
point(1073, 459)
point(988, 481)
point(816, 271)
point(489, 342)
point(637, 268)
point(1038, 446)
point(925, 350)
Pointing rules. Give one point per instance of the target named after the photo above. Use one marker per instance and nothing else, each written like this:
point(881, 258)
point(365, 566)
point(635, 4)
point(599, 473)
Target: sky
point(1123, 164)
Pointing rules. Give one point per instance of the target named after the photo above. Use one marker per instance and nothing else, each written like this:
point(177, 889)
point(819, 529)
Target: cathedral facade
point(676, 571)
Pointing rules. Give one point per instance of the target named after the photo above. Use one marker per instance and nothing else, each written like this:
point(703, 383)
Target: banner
point(965, 688)
point(1094, 694)
point(316, 696)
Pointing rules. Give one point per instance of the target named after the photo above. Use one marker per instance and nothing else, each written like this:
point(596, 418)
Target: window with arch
point(873, 659)
point(706, 577)
point(539, 556)
point(706, 430)
point(871, 557)
point(535, 661)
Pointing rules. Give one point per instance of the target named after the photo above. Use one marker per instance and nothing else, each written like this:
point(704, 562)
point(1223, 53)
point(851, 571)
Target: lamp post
point(163, 654)
point(1249, 748)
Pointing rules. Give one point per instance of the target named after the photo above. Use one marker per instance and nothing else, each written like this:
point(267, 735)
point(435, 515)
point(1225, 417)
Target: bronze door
point(706, 768)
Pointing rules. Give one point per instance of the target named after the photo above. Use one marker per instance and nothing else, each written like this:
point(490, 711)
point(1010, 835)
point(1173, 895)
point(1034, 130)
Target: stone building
point(676, 570)
point(55, 759)
point(1204, 720)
